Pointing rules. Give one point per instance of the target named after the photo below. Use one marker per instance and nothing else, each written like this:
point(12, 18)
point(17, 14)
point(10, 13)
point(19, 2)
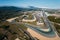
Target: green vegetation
point(54, 19)
point(51, 18)
point(1, 35)
point(29, 16)
point(22, 26)
point(4, 31)
point(7, 12)
point(4, 26)
point(33, 23)
point(12, 31)
point(57, 28)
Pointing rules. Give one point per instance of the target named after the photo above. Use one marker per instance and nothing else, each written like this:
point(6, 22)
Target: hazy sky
point(36, 3)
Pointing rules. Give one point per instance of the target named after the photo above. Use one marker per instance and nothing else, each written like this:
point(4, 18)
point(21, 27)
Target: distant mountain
point(32, 7)
point(11, 8)
point(11, 11)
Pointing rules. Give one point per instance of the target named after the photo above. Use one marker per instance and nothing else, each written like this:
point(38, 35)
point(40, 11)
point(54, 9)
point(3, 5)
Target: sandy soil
point(10, 20)
point(40, 37)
